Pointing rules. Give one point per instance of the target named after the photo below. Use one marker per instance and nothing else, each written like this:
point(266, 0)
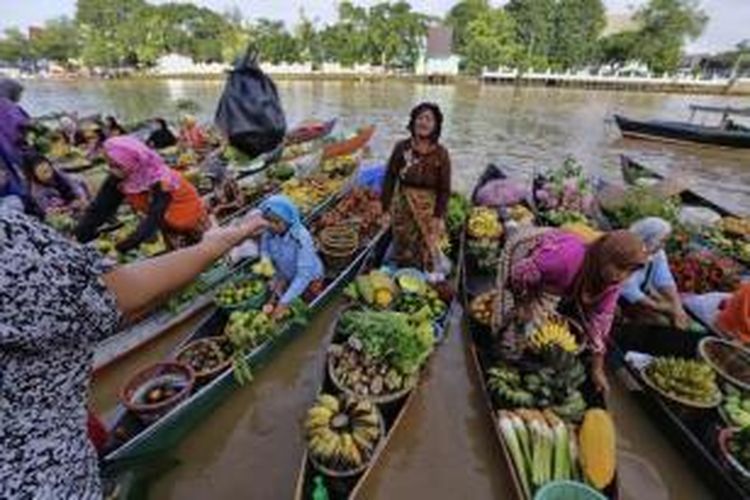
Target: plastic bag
point(500, 192)
point(249, 112)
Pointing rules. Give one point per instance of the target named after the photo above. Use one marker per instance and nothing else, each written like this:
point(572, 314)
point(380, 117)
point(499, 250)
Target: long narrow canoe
point(349, 146)
point(309, 131)
point(683, 132)
point(131, 439)
point(475, 283)
point(393, 413)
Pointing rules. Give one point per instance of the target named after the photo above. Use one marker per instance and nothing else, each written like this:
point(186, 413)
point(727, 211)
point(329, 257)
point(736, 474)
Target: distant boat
point(727, 134)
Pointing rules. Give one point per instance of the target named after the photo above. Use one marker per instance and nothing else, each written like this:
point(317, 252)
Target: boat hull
point(682, 132)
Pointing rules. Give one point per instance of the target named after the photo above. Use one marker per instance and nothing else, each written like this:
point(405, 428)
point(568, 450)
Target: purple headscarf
point(13, 122)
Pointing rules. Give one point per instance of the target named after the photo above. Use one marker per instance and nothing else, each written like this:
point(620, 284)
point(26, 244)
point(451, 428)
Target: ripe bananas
point(342, 433)
point(484, 223)
point(553, 332)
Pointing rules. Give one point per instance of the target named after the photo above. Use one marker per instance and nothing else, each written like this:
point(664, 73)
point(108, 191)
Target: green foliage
point(491, 41)
point(14, 46)
point(460, 16)
point(535, 27)
point(578, 25)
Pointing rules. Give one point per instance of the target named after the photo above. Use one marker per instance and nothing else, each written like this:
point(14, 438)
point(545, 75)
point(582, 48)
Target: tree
point(394, 34)
point(490, 41)
point(619, 48)
point(578, 25)
point(308, 40)
point(535, 28)
point(56, 41)
point(459, 18)
point(274, 43)
point(103, 26)
point(14, 46)
point(665, 27)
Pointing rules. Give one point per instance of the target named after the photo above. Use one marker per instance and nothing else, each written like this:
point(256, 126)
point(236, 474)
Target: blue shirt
point(655, 274)
point(295, 260)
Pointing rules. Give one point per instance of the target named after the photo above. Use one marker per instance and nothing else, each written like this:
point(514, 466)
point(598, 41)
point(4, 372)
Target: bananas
point(553, 332)
point(484, 223)
point(263, 268)
point(685, 378)
point(342, 433)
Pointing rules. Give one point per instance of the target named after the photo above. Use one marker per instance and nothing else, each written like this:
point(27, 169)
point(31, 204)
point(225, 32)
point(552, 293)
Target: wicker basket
point(338, 244)
point(138, 387)
point(213, 343)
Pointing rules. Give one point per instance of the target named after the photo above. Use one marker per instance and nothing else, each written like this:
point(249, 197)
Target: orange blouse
point(186, 209)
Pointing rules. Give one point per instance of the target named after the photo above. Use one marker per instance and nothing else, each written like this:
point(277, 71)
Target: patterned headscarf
point(653, 231)
point(615, 250)
point(142, 167)
point(282, 207)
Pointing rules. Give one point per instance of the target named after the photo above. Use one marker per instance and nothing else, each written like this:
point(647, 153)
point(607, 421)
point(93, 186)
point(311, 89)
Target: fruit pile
point(374, 289)
point(249, 329)
point(736, 226)
point(202, 356)
point(484, 223)
point(361, 207)
point(520, 214)
point(737, 248)
point(553, 332)
point(553, 383)
point(234, 294)
point(263, 268)
point(340, 166)
point(456, 213)
point(311, 191)
point(162, 392)
point(481, 308)
point(413, 303)
point(342, 433)
point(686, 379)
point(739, 447)
point(736, 406)
point(703, 272)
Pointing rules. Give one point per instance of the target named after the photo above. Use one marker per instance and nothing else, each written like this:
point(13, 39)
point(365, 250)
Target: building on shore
point(437, 58)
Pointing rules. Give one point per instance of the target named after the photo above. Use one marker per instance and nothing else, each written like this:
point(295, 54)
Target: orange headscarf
point(734, 318)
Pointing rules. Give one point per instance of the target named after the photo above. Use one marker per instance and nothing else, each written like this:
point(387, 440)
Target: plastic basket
point(567, 490)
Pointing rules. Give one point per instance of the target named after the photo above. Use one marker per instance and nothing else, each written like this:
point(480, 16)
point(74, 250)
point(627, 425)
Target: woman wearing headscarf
point(651, 292)
point(542, 270)
point(166, 201)
point(290, 247)
point(14, 191)
point(58, 300)
point(112, 127)
point(191, 134)
point(52, 189)
point(417, 188)
point(161, 137)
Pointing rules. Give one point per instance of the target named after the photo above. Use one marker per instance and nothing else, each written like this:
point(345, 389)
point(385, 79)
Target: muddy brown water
point(251, 446)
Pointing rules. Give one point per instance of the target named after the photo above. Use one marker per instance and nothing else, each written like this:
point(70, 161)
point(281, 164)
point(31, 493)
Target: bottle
point(319, 491)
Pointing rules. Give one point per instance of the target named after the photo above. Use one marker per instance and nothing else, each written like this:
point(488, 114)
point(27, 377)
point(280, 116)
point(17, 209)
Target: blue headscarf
point(653, 231)
point(283, 208)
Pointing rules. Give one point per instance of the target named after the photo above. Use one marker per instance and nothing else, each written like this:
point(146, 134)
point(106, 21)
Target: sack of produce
point(500, 193)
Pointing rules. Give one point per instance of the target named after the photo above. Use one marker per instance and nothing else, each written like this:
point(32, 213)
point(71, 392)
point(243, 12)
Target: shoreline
point(642, 85)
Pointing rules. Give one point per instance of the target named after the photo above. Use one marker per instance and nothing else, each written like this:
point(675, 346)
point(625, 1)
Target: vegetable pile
point(457, 213)
point(686, 379)
point(311, 191)
point(342, 433)
point(736, 406)
point(247, 330)
point(703, 271)
point(340, 166)
point(484, 223)
point(739, 447)
point(481, 308)
point(203, 356)
point(360, 207)
point(640, 202)
point(234, 294)
point(382, 352)
point(373, 289)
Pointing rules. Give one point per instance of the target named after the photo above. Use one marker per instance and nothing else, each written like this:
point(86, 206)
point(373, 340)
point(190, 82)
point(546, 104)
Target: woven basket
point(338, 244)
point(135, 390)
point(213, 343)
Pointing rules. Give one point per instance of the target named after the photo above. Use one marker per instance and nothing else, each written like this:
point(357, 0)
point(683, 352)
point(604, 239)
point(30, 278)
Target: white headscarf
point(653, 231)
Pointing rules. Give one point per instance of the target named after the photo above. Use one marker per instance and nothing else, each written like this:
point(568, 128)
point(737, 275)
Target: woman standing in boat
point(417, 188)
point(651, 292)
point(165, 199)
point(542, 270)
point(290, 247)
point(58, 299)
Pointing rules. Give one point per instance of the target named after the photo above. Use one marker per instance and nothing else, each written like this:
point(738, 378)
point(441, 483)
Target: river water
point(250, 447)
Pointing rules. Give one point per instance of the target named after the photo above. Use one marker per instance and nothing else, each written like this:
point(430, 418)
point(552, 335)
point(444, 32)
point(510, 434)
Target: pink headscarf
point(142, 167)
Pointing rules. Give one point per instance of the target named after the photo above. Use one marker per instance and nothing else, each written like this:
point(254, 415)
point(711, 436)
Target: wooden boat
point(161, 321)
point(132, 439)
point(633, 172)
point(727, 135)
point(475, 283)
point(340, 488)
point(309, 131)
point(349, 146)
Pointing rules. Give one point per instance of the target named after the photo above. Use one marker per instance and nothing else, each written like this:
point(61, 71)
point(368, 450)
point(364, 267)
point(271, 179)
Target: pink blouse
point(552, 267)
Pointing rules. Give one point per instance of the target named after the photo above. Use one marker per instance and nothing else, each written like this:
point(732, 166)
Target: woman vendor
point(113, 128)
point(165, 199)
point(14, 190)
point(543, 269)
point(291, 249)
point(651, 292)
point(161, 137)
point(52, 189)
point(417, 188)
point(192, 135)
point(59, 300)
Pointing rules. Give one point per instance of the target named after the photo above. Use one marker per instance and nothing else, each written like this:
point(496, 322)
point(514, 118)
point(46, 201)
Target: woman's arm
point(105, 205)
point(391, 174)
point(149, 226)
point(444, 185)
point(142, 285)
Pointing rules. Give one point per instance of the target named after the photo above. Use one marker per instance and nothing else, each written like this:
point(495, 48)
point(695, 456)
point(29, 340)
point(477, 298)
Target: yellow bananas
point(484, 223)
point(556, 333)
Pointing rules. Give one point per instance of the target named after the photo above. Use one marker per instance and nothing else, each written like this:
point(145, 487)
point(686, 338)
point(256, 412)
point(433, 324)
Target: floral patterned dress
point(53, 310)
